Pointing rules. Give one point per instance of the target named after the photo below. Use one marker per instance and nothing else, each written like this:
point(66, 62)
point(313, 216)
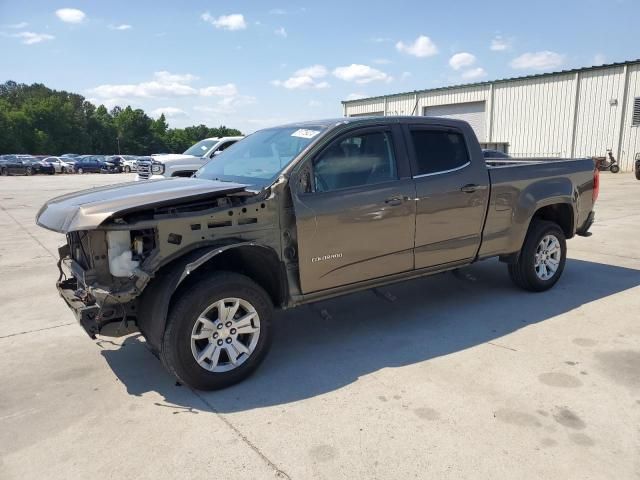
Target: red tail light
point(596, 184)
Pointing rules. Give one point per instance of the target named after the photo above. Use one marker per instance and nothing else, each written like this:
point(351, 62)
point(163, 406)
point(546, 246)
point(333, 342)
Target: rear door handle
point(393, 201)
point(471, 187)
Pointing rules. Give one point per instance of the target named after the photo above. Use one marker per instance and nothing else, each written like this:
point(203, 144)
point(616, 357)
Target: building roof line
point(500, 80)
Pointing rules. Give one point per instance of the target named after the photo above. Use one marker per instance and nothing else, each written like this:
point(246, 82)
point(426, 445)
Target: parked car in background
point(488, 153)
point(129, 163)
point(183, 164)
point(89, 164)
point(113, 164)
point(636, 166)
point(24, 165)
point(59, 164)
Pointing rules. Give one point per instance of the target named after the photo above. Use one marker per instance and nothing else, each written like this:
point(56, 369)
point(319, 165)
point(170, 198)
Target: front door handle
point(470, 188)
point(394, 201)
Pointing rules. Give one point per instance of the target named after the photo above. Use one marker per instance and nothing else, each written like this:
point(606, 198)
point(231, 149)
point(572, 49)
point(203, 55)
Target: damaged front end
point(121, 239)
point(105, 277)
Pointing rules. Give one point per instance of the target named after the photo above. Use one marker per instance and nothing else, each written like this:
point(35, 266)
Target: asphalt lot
point(463, 376)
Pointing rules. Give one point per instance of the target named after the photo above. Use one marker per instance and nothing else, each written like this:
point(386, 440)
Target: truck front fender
point(153, 305)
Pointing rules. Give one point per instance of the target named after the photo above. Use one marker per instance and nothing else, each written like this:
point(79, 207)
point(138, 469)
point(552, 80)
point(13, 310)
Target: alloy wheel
point(547, 257)
point(225, 335)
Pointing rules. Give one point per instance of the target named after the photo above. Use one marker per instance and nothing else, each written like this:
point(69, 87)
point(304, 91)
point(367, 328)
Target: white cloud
point(123, 26)
point(168, 112)
point(599, 59)
point(499, 44)
point(227, 105)
point(382, 61)
point(71, 15)
point(277, 11)
point(281, 32)
point(474, 73)
point(31, 38)
point(421, 47)
point(314, 103)
point(235, 21)
point(461, 60)
point(380, 39)
point(360, 74)
point(168, 77)
point(305, 78)
point(538, 60)
point(164, 84)
point(314, 71)
point(227, 90)
point(17, 25)
point(355, 96)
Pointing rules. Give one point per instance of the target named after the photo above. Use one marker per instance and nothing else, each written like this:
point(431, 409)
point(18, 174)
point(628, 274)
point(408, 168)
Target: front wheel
point(542, 258)
point(637, 173)
point(4, 172)
point(218, 332)
point(80, 171)
point(614, 168)
point(127, 169)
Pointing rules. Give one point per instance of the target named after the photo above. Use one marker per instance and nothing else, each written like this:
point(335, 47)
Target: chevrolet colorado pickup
point(300, 213)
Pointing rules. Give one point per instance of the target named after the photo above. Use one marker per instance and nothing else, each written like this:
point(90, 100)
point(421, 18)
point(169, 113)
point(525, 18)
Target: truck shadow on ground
point(434, 316)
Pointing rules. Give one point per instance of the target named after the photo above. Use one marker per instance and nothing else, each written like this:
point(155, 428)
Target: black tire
point(176, 354)
point(127, 169)
point(637, 173)
point(4, 172)
point(523, 271)
point(80, 171)
point(614, 168)
point(28, 171)
point(64, 170)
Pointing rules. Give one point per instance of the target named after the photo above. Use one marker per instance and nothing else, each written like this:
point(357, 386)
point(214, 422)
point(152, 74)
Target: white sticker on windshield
point(304, 133)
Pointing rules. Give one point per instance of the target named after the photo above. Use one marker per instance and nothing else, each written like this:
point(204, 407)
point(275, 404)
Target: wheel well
point(260, 264)
point(560, 213)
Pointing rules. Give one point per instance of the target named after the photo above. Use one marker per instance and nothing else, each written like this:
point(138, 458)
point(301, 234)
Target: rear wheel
point(614, 168)
point(4, 172)
point(218, 332)
point(637, 173)
point(29, 171)
point(127, 169)
point(542, 258)
point(80, 171)
point(64, 170)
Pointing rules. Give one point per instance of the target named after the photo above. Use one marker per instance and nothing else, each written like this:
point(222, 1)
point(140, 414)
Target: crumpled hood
point(87, 209)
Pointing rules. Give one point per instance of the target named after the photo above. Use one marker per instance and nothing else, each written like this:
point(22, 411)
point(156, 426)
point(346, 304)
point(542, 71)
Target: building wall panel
point(630, 134)
point(535, 115)
point(598, 121)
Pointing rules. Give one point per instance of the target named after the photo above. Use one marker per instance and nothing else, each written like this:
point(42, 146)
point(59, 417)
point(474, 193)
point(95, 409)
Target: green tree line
point(38, 120)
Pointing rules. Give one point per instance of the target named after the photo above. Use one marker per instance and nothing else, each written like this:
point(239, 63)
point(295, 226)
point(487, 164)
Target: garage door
point(472, 112)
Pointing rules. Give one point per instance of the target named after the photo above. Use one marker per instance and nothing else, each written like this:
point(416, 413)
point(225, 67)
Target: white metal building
point(572, 113)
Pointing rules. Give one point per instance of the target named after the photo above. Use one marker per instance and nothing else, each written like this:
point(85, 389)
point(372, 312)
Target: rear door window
point(438, 151)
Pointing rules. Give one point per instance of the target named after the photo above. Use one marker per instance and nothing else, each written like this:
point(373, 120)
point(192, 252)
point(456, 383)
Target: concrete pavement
point(463, 376)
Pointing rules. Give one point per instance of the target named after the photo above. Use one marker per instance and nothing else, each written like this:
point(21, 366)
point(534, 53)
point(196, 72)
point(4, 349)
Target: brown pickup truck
point(300, 213)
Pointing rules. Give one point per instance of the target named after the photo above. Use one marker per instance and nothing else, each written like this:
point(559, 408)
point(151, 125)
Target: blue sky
point(250, 64)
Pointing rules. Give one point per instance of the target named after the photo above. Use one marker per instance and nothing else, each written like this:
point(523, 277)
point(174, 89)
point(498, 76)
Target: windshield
point(257, 159)
point(200, 148)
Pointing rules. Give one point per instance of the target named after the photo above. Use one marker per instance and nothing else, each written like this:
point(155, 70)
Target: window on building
point(438, 151)
point(359, 159)
point(636, 111)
